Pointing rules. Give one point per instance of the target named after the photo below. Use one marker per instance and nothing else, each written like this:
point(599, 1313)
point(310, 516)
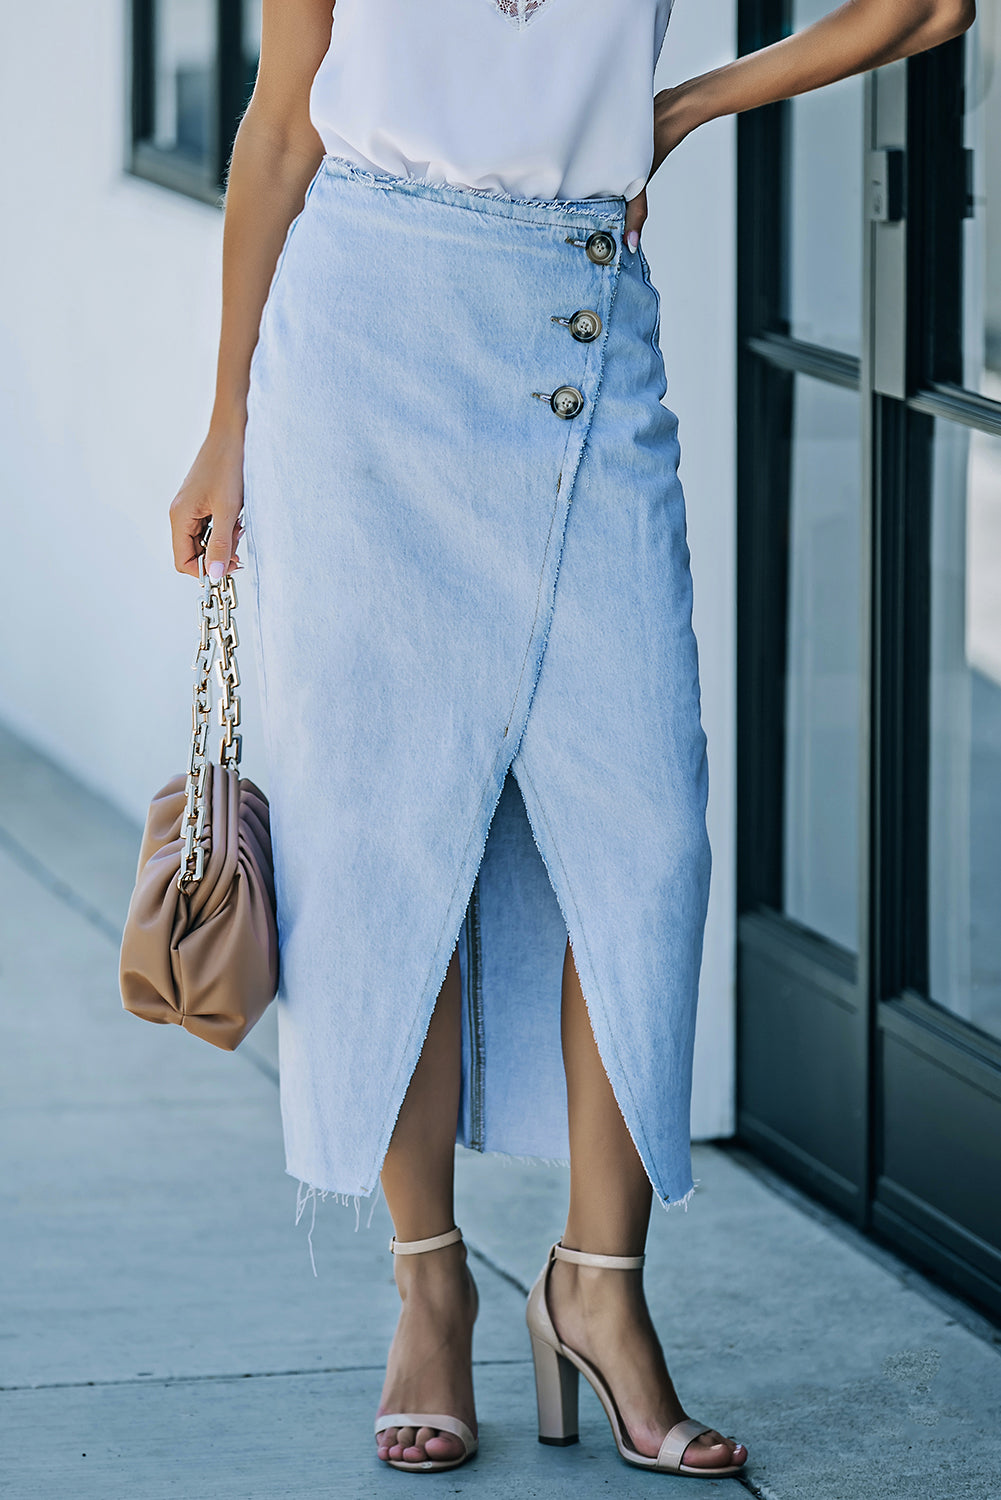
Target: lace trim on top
point(520, 12)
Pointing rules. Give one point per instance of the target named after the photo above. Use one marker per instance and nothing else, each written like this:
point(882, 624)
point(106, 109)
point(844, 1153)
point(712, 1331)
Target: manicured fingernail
point(633, 239)
point(216, 570)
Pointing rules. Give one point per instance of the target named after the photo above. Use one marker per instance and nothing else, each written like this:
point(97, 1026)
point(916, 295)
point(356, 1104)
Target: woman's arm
point(859, 35)
point(275, 156)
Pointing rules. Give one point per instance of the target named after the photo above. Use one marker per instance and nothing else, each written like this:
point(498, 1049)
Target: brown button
point(600, 247)
point(567, 401)
point(585, 325)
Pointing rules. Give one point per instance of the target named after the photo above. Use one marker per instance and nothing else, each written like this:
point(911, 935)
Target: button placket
point(585, 325)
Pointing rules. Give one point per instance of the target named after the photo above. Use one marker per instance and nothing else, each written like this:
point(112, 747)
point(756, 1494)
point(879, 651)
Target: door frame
point(845, 1069)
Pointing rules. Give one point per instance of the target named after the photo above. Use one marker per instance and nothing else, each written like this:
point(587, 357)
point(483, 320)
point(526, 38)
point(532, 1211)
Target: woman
point(472, 617)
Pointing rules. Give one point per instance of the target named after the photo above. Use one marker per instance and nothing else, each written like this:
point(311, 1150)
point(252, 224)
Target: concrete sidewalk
point(162, 1333)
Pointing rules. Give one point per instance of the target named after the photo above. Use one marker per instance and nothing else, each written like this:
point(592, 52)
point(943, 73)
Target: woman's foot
point(602, 1314)
point(430, 1365)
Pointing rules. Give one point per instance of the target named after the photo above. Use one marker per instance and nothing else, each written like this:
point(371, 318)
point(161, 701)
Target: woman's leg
point(430, 1360)
point(603, 1313)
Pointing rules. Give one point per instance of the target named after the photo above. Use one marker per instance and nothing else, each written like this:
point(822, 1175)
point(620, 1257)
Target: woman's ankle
point(433, 1276)
point(598, 1238)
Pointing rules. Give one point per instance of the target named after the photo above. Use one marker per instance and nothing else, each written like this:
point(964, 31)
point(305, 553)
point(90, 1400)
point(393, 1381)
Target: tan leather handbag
point(200, 946)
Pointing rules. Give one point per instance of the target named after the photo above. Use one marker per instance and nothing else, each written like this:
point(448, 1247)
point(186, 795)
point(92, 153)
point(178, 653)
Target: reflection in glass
point(184, 53)
point(251, 32)
point(982, 231)
point(964, 834)
point(820, 822)
point(825, 230)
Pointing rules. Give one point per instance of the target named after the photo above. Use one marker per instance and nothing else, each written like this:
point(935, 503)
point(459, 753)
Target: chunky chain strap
point(217, 634)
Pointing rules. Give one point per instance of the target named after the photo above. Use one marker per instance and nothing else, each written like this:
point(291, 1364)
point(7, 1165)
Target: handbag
point(200, 945)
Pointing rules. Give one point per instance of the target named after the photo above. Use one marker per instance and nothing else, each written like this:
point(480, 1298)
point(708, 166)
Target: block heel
point(557, 1374)
point(556, 1388)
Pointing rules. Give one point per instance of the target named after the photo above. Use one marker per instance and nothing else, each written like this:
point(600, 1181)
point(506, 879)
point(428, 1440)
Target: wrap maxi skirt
point(471, 612)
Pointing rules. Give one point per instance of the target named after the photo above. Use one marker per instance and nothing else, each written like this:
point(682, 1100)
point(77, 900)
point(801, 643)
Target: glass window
point(820, 815)
point(251, 28)
point(982, 230)
point(184, 51)
point(825, 207)
point(194, 66)
point(964, 809)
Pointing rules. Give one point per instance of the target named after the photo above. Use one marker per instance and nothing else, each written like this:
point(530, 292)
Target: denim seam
point(556, 207)
point(654, 337)
point(538, 596)
point(477, 1030)
point(593, 351)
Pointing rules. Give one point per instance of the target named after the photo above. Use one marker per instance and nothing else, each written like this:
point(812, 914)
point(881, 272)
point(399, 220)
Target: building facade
point(830, 275)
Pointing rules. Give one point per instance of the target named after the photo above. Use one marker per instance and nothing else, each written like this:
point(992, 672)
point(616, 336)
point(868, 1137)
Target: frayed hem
point(683, 1202)
point(305, 1192)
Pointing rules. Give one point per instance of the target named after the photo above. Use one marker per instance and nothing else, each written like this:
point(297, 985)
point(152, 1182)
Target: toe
point(444, 1446)
point(385, 1441)
point(404, 1441)
point(711, 1450)
point(415, 1451)
point(429, 1443)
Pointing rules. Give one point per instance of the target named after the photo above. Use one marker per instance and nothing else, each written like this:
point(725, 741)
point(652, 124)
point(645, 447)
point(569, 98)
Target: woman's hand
point(213, 487)
point(671, 123)
point(854, 38)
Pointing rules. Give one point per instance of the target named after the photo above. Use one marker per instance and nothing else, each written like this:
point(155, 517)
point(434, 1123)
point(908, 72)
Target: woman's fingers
point(636, 212)
point(187, 531)
point(221, 547)
point(185, 534)
point(213, 488)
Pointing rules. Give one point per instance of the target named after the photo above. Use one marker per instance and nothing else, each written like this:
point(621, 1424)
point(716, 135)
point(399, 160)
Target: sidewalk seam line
point(83, 1385)
point(498, 1270)
point(56, 886)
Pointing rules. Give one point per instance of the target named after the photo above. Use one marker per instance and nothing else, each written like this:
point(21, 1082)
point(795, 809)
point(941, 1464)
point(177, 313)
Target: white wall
point(108, 328)
point(690, 241)
point(108, 323)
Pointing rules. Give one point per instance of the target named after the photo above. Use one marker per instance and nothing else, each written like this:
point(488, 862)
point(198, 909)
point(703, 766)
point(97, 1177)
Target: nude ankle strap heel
point(609, 1262)
point(557, 1377)
point(417, 1419)
point(418, 1247)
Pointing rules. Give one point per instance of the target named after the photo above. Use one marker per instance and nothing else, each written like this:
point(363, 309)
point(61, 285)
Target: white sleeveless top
point(528, 98)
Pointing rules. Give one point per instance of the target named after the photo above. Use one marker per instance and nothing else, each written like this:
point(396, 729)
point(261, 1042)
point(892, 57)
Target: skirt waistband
point(599, 213)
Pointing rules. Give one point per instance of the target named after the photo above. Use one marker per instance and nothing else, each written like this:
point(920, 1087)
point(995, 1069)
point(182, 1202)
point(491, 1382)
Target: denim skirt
point(472, 616)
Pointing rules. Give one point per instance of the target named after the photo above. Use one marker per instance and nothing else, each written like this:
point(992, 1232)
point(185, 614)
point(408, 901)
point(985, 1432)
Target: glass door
point(936, 1146)
point(802, 1022)
point(869, 718)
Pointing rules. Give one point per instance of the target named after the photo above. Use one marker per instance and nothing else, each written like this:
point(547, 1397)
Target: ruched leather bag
point(208, 961)
point(201, 950)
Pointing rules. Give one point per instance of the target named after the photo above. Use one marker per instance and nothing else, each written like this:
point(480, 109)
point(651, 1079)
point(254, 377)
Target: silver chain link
point(217, 643)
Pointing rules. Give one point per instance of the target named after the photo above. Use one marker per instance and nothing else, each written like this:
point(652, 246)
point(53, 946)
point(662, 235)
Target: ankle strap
point(610, 1262)
point(415, 1247)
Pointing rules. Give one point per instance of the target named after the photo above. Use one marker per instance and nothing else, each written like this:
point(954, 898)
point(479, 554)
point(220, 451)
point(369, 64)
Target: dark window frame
point(231, 91)
point(889, 1055)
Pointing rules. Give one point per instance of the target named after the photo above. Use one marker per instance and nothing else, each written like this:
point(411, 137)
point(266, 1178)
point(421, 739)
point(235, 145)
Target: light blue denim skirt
point(472, 617)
